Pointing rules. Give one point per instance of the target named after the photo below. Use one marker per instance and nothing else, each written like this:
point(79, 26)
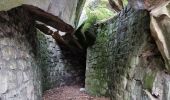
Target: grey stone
point(25, 76)
point(8, 53)
point(166, 94)
point(19, 77)
point(4, 42)
point(3, 82)
point(12, 64)
point(17, 52)
point(22, 64)
point(122, 58)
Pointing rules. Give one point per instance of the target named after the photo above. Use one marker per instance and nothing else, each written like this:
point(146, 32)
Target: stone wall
point(124, 62)
point(60, 66)
point(19, 73)
point(26, 53)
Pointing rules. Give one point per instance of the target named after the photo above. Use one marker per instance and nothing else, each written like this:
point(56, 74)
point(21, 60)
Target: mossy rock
point(88, 23)
point(148, 80)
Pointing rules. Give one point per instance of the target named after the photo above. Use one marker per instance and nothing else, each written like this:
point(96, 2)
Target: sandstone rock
point(66, 9)
point(66, 13)
point(160, 23)
point(146, 4)
point(8, 4)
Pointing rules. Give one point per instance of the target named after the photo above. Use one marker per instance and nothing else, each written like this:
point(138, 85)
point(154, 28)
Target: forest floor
point(69, 93)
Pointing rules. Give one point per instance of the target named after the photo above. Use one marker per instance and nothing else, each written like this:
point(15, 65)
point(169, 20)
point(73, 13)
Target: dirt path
point(69, 93)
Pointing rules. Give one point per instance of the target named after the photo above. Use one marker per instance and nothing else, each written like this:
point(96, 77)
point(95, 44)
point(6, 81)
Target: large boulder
point(160, 23)
point(125, 62)
point(65, 9)
point(8, 4)
point(146, 4)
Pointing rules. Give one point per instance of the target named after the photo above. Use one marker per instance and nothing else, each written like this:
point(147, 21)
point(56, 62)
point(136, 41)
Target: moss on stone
point(96, 77)
point(148, 80)
point(117, 42)
point(43, 54)
point(89, 22)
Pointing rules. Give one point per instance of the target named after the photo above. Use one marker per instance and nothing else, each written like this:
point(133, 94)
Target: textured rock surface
point(8, 4)
point(20, 58)
point(125, 62)
point(60, 66)
point(19, 73)
point(160, 23)
point(65, 9)
point(146, 4)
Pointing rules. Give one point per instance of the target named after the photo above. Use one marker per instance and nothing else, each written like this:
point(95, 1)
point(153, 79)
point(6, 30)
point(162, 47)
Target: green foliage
point(100, 12)
point(125, 2)
point(89, 22)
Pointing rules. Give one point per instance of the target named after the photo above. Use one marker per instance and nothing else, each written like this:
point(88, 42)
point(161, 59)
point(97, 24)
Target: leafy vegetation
point(125, 2)
point(101, 11)
point(96, 13)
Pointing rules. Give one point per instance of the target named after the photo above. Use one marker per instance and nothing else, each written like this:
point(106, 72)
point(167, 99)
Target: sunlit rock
point(160, 23)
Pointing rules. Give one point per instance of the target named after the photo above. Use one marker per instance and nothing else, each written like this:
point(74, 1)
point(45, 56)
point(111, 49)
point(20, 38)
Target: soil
point(69, 93)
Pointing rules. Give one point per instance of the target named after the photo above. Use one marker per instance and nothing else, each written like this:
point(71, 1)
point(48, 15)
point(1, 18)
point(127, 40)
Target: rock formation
point(128, 55)
point(160, 23)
